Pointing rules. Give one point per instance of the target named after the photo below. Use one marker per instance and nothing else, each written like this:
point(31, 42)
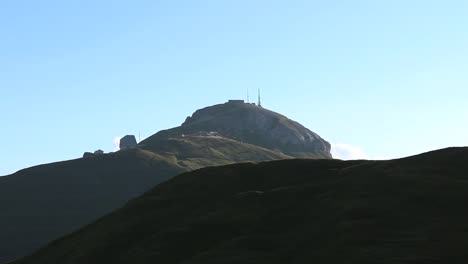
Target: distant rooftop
point(235, 101)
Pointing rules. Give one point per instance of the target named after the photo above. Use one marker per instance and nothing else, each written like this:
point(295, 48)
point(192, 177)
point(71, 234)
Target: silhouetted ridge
point(45, 202)
point(410, 210)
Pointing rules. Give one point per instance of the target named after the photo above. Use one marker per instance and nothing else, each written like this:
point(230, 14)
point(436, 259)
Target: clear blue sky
point(378, 79)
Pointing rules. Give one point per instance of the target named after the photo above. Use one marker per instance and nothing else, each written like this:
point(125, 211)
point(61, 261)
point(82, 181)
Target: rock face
point(88, 155)
point(254, 125)
point(129, 141)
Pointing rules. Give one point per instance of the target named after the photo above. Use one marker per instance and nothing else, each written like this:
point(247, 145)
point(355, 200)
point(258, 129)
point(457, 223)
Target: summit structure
point(259, 103)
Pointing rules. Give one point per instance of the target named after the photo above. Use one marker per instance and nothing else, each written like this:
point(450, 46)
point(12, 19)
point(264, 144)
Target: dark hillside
point(409, 210)
point(48, 201)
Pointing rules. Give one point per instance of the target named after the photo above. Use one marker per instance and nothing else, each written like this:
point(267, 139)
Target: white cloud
point(348, 152)
point(116, 143)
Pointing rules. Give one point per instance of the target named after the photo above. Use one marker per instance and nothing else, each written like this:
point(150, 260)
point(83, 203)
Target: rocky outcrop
point(95, 153)
point(88, 155)
point(129, 141)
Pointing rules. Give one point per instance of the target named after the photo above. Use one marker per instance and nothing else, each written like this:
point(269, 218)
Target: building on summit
point(259, 103)
point(235, 101)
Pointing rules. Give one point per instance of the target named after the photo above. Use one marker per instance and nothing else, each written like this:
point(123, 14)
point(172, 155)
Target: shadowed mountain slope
point(45, 202)
point(410, 210)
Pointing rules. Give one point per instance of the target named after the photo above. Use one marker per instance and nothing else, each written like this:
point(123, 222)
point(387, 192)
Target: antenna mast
point(259, 99)
point(248, 100)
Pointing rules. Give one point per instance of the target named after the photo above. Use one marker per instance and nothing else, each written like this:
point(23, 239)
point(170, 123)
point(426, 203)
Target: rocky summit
point(251, 124)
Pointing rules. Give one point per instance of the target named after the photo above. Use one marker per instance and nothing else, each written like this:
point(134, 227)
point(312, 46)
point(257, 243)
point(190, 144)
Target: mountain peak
point(252, 124)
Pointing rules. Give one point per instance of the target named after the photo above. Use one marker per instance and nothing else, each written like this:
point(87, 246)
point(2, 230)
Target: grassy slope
point(411, 210)
point(194, 152)
point(45, 202)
